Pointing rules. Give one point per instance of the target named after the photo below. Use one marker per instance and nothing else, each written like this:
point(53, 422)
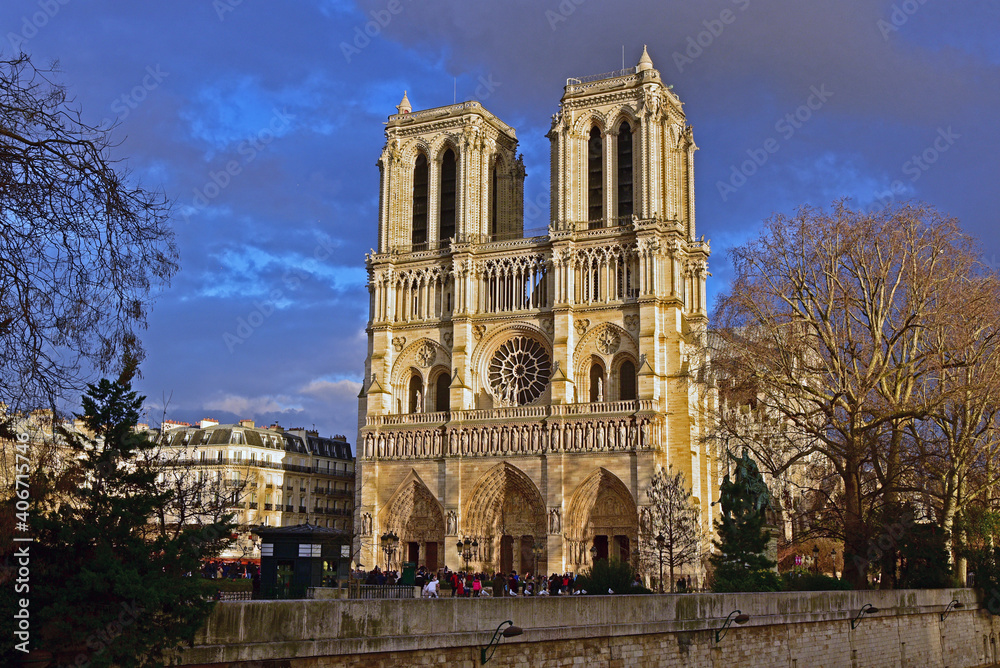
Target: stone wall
point(797, 630)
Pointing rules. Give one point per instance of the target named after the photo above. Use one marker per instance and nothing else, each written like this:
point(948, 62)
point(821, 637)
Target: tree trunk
point(855, 534)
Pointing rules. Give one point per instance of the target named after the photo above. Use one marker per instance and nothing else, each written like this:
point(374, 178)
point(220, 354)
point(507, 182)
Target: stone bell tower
point(521, 391)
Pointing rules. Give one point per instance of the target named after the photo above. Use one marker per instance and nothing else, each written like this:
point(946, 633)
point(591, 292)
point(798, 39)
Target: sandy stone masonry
point(794, 630)
point(522, 386)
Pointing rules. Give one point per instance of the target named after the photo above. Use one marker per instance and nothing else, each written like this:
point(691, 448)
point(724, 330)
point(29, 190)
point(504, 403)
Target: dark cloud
point(263, 123)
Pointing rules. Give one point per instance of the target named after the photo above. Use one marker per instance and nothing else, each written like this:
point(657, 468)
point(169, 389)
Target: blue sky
point(262, 121)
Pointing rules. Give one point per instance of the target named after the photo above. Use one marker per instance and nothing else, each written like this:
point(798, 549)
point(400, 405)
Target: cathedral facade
point(522, 388)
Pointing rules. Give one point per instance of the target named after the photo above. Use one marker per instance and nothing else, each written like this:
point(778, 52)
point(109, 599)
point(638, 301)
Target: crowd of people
point(446, 582)
point(230, 570)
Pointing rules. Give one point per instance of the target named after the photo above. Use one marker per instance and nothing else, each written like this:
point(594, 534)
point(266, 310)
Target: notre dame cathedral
point(521, 389)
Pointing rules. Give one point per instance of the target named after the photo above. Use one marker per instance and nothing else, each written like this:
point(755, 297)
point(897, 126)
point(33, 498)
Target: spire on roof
point(645, 63)
point(404, 105)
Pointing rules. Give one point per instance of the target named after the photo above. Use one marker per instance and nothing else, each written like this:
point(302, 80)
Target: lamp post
point(389, 541)
point(538, 548)
point(833, 563)
point(468, 550)
point(660, 541)
point(816, 559)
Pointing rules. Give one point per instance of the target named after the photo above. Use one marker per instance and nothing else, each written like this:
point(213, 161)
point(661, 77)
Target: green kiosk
point(296, 558)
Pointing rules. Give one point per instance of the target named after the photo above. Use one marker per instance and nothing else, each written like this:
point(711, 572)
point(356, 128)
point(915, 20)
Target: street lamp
point(866, 609)
point(505, 630)
point(389, 541)
point(734, 616)
point(660, 541)
point(468, 550)
point(833, 563)
point(816, 559)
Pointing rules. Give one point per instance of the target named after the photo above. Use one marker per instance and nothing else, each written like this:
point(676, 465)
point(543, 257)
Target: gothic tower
point(519, 390)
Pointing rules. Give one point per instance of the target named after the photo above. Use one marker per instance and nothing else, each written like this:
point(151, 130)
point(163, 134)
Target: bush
point(802, 580)
point(612, 574)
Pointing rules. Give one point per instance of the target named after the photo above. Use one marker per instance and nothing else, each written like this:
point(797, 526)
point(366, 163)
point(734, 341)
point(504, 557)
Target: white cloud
point(250, 406)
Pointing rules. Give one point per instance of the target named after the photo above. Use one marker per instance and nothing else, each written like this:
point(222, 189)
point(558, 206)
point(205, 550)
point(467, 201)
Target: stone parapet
point(794, 629)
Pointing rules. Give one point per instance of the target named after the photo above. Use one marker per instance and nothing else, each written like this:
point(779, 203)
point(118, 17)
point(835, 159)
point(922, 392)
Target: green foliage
point(107, 588)
point(803, 580)
point(923, 552)
point(613, 574)
point(740, 564)
point(980, 526)
point(985, 563)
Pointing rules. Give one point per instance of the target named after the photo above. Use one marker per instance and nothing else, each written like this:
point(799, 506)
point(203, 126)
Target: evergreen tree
point(108, 586)
point(740, 563)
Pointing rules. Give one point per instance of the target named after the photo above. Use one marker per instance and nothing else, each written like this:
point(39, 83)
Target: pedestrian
point(432, 587)
point(477, 587)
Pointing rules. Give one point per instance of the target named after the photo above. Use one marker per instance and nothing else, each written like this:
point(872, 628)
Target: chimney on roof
point(208, 422)
point(276, 427)
point(247, 423)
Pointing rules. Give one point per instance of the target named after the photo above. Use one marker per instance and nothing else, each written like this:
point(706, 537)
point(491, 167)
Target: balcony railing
point(288, 509)
point(268, 506)
point(514, 413)
point(252, 505)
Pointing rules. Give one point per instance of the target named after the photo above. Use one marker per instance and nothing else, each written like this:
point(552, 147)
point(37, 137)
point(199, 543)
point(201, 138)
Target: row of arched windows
point(622, 386)
point(448, 200)
point(440, 399)
point(595, 175)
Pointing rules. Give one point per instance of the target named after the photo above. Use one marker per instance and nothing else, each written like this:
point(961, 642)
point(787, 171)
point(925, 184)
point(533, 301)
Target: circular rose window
point(519, 371)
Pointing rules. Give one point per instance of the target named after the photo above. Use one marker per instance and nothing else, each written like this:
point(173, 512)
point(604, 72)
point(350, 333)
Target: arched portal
point(414, 515)
point(506, 514)
point(602, 514)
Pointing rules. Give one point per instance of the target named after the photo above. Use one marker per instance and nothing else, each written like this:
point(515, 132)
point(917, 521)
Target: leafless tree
point(83, 248)
point(676, 519)
point(831, 318)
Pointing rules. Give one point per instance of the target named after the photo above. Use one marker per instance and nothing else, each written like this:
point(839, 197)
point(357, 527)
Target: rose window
point(519, 371)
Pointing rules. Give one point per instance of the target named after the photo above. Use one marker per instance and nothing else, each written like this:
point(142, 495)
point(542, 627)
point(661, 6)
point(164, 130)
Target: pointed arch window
point(418, 231)
point(595, 178)
point(442, 393)
point(597, 392)
point(625, 207)
point(494, 206)
point(449, 189)
point(415, 394)
point(626, 381)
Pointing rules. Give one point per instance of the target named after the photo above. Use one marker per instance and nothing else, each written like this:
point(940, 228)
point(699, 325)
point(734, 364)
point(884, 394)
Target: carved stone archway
point(505, 502)
point(601, 506)
point(417, 518)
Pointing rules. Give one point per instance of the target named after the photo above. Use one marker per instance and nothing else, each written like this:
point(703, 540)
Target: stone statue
point(600, 389)
point(452, 523)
